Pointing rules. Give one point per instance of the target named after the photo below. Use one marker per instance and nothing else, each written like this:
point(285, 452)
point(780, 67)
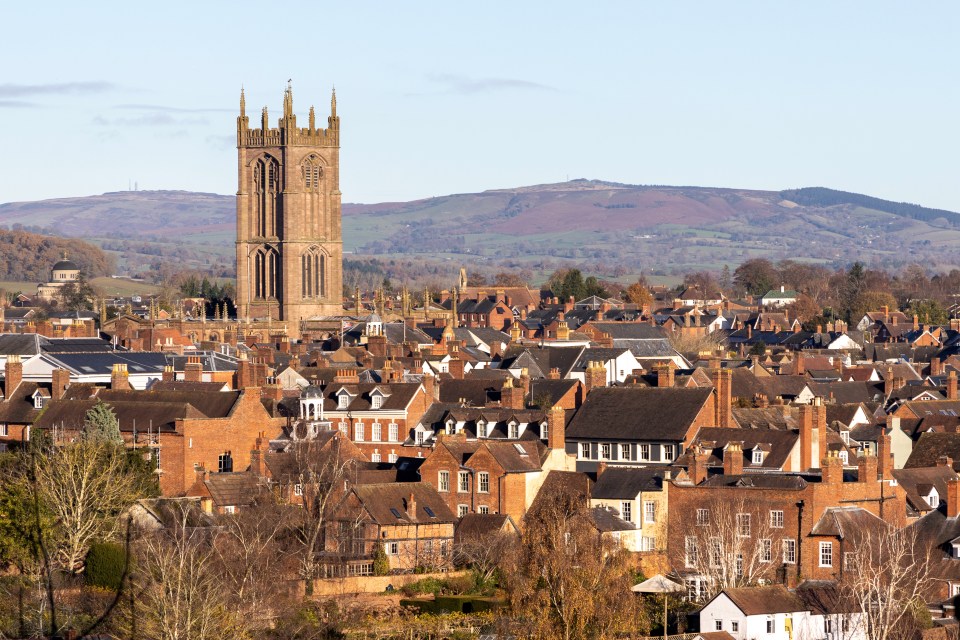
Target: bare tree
point(732, 544)
point(182, 595)
point(484, 555)
point(885, 579)
point(565, 580)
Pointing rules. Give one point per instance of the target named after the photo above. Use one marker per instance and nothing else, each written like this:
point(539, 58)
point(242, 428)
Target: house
point(639, 496)
point(770, 612)
point(778, 298)
point(410, 520)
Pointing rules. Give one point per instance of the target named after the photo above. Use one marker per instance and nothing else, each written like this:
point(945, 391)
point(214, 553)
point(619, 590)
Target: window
point(933, 499)
point(668, 453)
point(229, 509)
point(393, 431)
point(826, 554)
point(443, 482)
point(375, 456)
point(463, 483)
point(648, 543)
point(766, 550)
point(776, 519)
point(375, 432)
point(743, 525)
point(4, 431)
point(605, 451)
point(462, 510)
point(770, 625)
point(843, 457)
point(644, 452)
point(544, 431)
point(695, 589)
point(690, 551)
point(514, 430)
point(225, 463)
point(624, 452)
point(789, 551)
point(483, 509)
point(718, 625)
point(482, 430)
point(849, 561)
point(758, 457)
point(343, 428)
point(392, 457)
point(585, 450)
point(343, 401)
point(428, 547)
point(716, 552)
point(419, 436)
point(376, 401)
point(298, 489)
point(734, 626)
point(649, 512)
point(483, 482)
point(739, 565)
point(358, 432)
point(392, 548)
point(703, 517)
point(626, 511)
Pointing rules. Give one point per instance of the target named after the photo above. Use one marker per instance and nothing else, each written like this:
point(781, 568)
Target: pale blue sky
point(449, 97)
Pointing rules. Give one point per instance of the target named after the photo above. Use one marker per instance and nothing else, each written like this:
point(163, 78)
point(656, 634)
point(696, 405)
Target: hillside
point(625, 228)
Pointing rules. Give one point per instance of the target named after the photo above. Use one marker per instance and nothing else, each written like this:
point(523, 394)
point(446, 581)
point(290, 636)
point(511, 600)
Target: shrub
point(104, 565)
point(381, 564)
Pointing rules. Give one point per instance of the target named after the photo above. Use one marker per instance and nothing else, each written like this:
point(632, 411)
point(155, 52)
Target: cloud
point(165, 109)
point(148, 120)
point(463, 85)
point(222, 142)
point(17, 104)
point(9, 90)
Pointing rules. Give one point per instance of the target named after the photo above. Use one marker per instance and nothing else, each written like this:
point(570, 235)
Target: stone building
point(289, 243)
point(63, 271)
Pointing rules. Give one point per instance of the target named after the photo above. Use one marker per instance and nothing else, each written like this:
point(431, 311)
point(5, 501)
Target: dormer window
point(343, 399)
point(481, 429)
point(843, 457)
point(450, 426)
point(845, 435)
point(514, 430)
point(544, 431)
point(757, 456)
point(933, 499)
point(376, 401)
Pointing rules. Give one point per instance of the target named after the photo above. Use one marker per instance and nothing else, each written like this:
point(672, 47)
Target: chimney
point(722, 380)
point(819, 429)
point(945, 461)
point(867, 466)
point(346, 376)
point(456, 368)
point(193, 370)
point(888, 381)
point(429, 383)
point(272, 392)
point(601, 468)
point(169, 373)
point(568, 306)
point(553, 374)
point(525, 380)
point(512, 396)
point(832, 469)
point(916, 322)
point(697, 469)
point(886, 313)
point(761, 401)
point(556, 428)
point(595, 376)
point(893, 320)
point(563, 330)
point(665, 376)
point(257, 463)
point(952, 385)
point(800, 364)
point(953, 497)
point(118, 377)
point(806, 437)
point(13, 375)
point(244, 372)
point(677, 303)
point(412, 506)
point(885, 456)
point(61, 380)
point(749, 332)
point(733, 459)
point(935, 368)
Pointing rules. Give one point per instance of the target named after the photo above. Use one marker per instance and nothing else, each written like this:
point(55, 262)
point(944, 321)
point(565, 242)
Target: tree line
point(29, 257)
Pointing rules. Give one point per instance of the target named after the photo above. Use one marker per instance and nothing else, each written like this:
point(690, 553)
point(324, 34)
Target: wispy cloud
point(17, 104)
point(148, 120)
point(463, 85)
point(9, 90)
point(166, 109)
point(222, 142)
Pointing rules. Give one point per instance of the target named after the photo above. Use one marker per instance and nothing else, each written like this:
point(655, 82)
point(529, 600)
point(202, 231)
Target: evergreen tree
point(100, 424)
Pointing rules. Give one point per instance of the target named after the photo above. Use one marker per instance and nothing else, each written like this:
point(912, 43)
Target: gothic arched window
point(266, 180)
point(312, 172)
point(266, 273)
point(313, 268)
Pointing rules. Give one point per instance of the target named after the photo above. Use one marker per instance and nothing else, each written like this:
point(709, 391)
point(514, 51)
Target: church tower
point(289, 243)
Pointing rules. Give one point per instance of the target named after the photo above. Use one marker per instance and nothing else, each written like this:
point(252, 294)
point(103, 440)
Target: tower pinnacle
point(243, 103)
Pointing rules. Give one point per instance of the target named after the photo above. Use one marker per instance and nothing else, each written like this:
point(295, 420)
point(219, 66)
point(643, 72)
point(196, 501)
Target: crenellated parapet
point(287, 132)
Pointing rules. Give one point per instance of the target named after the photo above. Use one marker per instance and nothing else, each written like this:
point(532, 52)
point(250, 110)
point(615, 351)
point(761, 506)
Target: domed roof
point(312, 391)
point(66, 265)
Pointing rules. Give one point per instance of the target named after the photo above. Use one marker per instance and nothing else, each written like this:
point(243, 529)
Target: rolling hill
point(625, 229)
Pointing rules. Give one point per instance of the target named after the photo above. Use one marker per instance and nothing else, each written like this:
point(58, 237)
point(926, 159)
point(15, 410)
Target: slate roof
point(475, 527)
point(755, 601)
point(846, 523)
point(17, 407)
point(917, 481)
point(626, 483)
point(20, 344)
point(550, 390)
point(931, 446)
point(844, 392)
point(630, 331)
point(400, 395)
point(379, 499)
point(637, 413)
point(238, 489)
point(141, 362)
point(477, 392)
point(776, 444)
point(772, 417)
point(605, 519)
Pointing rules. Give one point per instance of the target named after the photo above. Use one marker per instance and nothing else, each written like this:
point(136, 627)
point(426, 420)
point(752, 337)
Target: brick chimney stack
point(13, 375)
point(952, 385)
point(257, 463)
point(867, 465)
point(832, 469)
point(511, 395)
point(412, 506)
point(697, 469)
point(193, 369)
point(119, 377)
point(665, 376)
point(169, 373)
point(553, 374)
point(723, 397)
point(806, 437)
point(953, 497)
point(733, 459)
point(595, 376)
point(885, 456)
point(61, 380)
point(429, 382)
point(601, 468)
point(556, 428)
point(456, 368)
point(935, 368)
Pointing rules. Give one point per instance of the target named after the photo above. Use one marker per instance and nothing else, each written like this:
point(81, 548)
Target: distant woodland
point(28, 256)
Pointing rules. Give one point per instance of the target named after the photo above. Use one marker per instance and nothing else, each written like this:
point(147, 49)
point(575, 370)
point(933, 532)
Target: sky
point(453, 97)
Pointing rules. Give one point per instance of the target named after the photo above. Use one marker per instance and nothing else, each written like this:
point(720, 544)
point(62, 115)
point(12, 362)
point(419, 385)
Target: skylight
point(430, 512)
point(395, 513)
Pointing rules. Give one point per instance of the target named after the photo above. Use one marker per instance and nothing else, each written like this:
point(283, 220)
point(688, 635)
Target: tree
point(564, 580)
point(804, 308)
point(77, 296)
point(866, 301)
point(755, 276)
point(928, 311)
point(638, 293)
point(732, 545)
point(483, 556)
point(885, 578)
point(100, 424)
point(381, 564)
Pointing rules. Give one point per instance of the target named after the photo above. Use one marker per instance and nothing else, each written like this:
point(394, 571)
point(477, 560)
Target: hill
point(624, 228)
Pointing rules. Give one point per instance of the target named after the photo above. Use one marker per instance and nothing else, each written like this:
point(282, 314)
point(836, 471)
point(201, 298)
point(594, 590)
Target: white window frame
point(649, 512)
point(376, 432)
point(443, 481)
point(393, 431)
point(690, 552)
point(668, 453)
point(483, 509)
point(358, 434)
point(776, 519)
point(584, 450)
point(758, 457)
point(462, 510)
point(463, 482)
point(626, 510)
point(825, 553)
point(606, 450)
point(643, 452)
point(789, 551)
point(703, 517)
point(624, 451)
point(766, 550)
point(483, 482)
point(744, 525)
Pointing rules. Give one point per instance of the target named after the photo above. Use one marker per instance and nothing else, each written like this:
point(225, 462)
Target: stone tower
point(289, 243)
